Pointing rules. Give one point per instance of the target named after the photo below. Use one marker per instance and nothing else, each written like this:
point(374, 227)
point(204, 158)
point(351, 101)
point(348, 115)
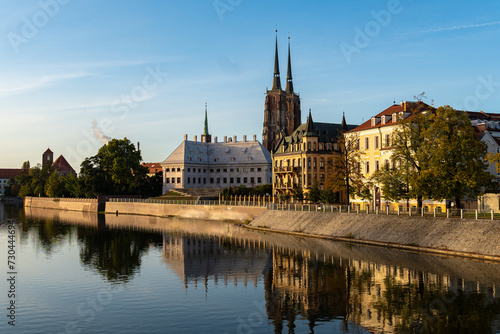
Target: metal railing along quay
point(343, 209)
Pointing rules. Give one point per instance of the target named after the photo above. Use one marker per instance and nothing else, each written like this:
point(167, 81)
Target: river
point(86, 273)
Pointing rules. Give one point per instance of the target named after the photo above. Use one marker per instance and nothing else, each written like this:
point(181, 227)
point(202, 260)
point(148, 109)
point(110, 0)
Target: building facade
point(214, 164)
point(282, 113)
point(303, 159)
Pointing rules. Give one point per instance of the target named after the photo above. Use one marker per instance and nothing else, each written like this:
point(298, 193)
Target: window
point(259, 180)
point(309, 163)
point(252, 169)
point(178, 180)
point(189, 180)
point(211, 170)
point(367, 167)
point(387, 140)
point(386, 162)
point(231, 180)
point(199, 170)
point(238, 180)
point(167, 170)
point(178, 169)
point(189, 170)
point(322, 179)
point(225, 170)
point(376, 142)
point(377, 166)
point(314, 146)
point(314, 165)
point(321, 163)
point(173, 180)
point(245, 180)
point(367, 143)
point(212, 180)
point(225, 180)
point(308, 146)
point(232, 170)
point(218, 180)
point(218, 170)
point(204, 180)
point(199, 180)
point(258, 170)
point(167, 180)
point(252, 180)
point(194, 180)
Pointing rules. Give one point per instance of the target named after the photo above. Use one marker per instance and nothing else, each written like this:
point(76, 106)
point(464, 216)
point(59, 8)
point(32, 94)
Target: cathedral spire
point(289, 82)
point(276, 79)
point(310, 126)
point(344, 124)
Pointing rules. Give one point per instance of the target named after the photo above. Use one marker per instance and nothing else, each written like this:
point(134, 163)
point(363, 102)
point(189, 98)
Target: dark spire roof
point(289, 82)
point(205, 129)
point(276, 79)
point(344, 124)
point(310, 126)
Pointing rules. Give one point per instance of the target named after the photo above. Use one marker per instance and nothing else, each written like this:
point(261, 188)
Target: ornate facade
point(282, 107)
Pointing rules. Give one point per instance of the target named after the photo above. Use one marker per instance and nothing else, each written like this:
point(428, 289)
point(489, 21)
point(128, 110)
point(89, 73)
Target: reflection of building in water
point(300, 285)
point(194, 258)
point(393, 299)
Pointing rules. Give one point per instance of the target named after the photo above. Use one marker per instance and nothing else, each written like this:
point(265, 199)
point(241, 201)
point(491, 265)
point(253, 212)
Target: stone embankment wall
point(476, 238)
point(217, 212)
point(69, 204)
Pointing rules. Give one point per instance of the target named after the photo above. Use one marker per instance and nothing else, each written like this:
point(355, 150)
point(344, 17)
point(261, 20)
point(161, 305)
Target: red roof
point(6, 173)
point(62, 165)
point(153, 167)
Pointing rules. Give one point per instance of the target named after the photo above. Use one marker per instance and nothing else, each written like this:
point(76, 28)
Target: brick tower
point(282, 107)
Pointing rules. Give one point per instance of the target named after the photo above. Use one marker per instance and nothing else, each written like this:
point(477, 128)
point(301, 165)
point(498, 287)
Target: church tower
point(282, 107)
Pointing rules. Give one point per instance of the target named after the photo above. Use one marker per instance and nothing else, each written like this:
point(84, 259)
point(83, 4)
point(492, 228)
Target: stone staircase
point(202, 193)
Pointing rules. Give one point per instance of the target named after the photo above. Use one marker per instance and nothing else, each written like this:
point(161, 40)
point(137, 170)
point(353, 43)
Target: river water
point(84, 273)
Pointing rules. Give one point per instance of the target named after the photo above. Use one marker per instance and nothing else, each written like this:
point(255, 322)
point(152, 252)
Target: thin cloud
point(470, 26)
point(39, 82)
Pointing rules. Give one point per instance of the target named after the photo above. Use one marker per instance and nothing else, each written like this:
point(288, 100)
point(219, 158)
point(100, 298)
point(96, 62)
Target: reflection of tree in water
point(436, 308)
point(47, 234)
point(115, 254)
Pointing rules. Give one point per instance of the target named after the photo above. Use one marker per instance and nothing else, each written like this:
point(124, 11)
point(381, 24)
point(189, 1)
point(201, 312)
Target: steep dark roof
point(62, 165)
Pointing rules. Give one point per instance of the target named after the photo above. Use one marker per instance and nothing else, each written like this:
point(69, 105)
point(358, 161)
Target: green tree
point(54, 187)
point(115, 169)
point(394, 182)
point(298, 193)
point(458, 163)
point(314, 194)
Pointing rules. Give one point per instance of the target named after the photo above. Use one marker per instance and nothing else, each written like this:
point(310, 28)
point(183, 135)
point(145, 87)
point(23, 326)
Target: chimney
point(215, 139)
point(245, 138)
point(195, 138)
point(185, 137)
point(225, 139)
point(235, 139)
point(254, 137)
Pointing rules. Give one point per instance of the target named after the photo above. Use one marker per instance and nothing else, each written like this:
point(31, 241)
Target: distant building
point(60, 164)
point(153, 168)
point(487, 129)
point(213, 164)
point(6, 174)
point(303, 158)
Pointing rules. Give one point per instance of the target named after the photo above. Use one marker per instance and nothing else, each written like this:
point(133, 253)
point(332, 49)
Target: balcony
point(287, 169)
point(285, 186)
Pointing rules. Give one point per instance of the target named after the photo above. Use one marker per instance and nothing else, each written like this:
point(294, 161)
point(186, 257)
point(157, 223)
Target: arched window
point(386, 162)
point(377, 166)
point(387, 140)
point(308, 146)
point(367, 143)
point(309, 163)
point(367, 167)
point(314, 165)
point(376, 142)
point(314, 146)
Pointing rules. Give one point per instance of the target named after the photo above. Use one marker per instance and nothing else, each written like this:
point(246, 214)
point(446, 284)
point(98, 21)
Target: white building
point(213, 164)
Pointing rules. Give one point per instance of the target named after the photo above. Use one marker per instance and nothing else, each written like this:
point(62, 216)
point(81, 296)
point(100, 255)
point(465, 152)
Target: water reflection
point(306, 281)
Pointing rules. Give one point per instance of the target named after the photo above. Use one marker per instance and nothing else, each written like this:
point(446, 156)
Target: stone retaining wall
point(85, 205)
point(221, 212)
point(450, 235)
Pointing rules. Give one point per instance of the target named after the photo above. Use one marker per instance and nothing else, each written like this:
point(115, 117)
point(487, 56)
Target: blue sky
point(144, 69)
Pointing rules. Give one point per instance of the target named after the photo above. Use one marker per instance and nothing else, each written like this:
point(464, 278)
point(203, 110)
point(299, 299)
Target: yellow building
point(302, 159)
point(376, 148)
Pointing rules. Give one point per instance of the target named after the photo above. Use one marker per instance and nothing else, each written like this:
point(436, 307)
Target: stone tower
point(282, 107)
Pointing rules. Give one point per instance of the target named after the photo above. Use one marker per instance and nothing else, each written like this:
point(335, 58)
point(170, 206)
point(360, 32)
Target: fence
point(343, 209)
point(65, 199)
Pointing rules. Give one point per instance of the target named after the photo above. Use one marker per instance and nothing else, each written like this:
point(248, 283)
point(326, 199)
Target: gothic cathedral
point(282, 107)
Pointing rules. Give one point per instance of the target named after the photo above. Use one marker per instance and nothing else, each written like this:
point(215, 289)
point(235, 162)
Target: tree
point(458, 160)
point(314, 194)
point(344, 171)
point(394, 182)
point(115, 169)
point(54, 187)
point(410, 140)
point(298, 193)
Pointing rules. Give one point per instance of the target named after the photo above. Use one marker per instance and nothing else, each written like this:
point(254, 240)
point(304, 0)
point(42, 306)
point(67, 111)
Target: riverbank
point(459, 237)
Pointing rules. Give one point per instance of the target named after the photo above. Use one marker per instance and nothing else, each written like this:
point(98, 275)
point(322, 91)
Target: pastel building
point(214, 164)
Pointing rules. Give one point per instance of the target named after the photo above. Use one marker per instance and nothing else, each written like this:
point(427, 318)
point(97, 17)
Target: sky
point(75, 73)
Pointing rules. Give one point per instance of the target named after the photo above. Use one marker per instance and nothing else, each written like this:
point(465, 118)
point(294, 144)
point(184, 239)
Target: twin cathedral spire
point(282, 107)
